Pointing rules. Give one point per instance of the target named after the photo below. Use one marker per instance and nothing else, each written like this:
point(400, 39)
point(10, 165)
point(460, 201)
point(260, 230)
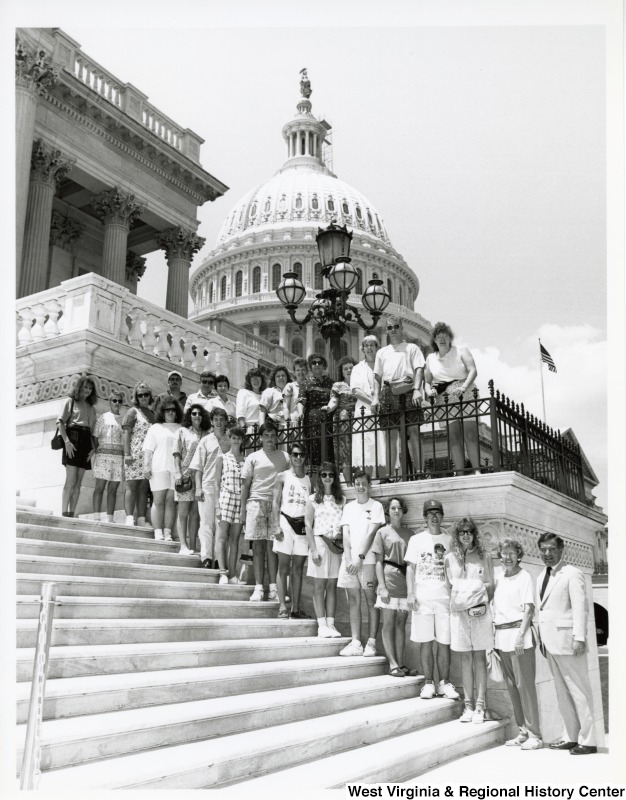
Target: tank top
point(447, 368)
point(295, 493)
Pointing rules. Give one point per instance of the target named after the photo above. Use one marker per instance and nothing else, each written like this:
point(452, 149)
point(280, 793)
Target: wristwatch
point(362, 557)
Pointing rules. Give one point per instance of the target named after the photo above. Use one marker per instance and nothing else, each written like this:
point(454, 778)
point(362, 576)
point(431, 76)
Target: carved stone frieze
point(180, 242)
point(135, 267)
point(48, 164)
point(114, 206)
point(33, 69)
point(64, 232)
point(61, 387)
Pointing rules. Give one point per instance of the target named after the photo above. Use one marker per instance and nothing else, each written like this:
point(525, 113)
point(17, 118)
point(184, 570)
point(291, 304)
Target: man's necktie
point(542, 591)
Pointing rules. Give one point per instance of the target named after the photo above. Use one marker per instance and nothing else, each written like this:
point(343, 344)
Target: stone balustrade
point(92, 303)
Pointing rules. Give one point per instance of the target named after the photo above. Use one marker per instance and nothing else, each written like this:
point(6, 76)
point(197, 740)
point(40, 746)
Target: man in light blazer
point(563, 610)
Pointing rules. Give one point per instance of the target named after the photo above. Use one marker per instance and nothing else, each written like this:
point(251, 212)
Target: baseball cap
point(174, 372)
point(432, 505)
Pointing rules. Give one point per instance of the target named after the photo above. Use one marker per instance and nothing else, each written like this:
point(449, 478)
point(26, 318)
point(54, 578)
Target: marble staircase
point(161, 678)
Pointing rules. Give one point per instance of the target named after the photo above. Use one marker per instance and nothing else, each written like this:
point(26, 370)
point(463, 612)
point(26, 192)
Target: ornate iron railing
point(508, 439)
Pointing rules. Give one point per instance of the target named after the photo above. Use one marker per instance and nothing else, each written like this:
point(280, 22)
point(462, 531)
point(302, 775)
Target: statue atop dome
point(305, 84)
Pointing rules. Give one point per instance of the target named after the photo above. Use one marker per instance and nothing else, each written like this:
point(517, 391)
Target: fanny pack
point(504, 625)
point(297, 523)
point(402, 386)
point(477, 611)
point(441, 387)
point(401, 567)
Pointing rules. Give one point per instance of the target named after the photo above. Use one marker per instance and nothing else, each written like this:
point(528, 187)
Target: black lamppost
point(330, 309)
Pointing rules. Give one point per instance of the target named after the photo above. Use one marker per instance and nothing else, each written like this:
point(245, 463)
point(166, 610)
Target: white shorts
point(426, 627)
point(291, 544)
point(471, 633)
point(365, 577)
point(160, 481)
point(329, 568)
point(394, 604)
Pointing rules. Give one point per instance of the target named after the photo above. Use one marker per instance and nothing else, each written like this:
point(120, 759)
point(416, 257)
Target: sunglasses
point(196, 414)
point(297, 455)
point(327, 474)
point(116, 402)
point(466, 533)
point(169, 410)
point(207, 383)
point(144, 394)
point(393, 327)
point(317, 363)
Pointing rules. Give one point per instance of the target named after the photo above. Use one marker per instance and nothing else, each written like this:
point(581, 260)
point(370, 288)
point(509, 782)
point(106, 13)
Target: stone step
point(50, 520)
point(94, 586)
point(113, 538)
point(124, 608)
point(57, 565)
point(106, 553)
point(233, 758)
point(71, 697)
point(402, 758)
point(74, 661)
point(109, 631)
point(81, 739)
point(26, 502)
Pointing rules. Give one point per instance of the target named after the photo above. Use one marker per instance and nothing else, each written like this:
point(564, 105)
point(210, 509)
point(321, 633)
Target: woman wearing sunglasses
point(135, 426)
point(313, 409)
point(322, 519)
point(158, 463)
point(108, 462)
point(469, 574)
point(196, 424)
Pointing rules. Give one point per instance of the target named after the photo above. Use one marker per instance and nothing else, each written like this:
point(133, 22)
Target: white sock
point(158, 531)
point(130, 520)
point(321, 622)
point(372, 642)
point(273, 587)
point(330, 621)
point(167, 533)
point(259, 586)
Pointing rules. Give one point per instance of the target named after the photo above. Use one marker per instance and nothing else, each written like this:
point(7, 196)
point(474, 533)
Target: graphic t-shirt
point(427, 553)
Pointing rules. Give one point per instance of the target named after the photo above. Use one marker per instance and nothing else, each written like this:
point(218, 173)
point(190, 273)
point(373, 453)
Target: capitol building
point(271, 231)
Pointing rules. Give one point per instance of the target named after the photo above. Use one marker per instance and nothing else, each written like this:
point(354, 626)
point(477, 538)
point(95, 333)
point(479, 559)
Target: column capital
point(64, 232)
point(114, 206)
point(33, 69)
point(49, 165)
point(135, 267)
point(180, 242)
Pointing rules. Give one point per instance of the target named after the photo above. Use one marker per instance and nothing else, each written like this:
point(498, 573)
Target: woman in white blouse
point(249, 400)
point(368, 446)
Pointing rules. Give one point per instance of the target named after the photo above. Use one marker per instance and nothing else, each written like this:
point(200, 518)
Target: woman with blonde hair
point(108, 462)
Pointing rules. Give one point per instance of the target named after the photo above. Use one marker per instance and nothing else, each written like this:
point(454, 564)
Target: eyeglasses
point(317, 363)
point(208, 383)
point(466, 533)
point(144, 394)
point(117, 402)
point(327, 474)
point(297, 455)
point(393, 327)
point(196, 414)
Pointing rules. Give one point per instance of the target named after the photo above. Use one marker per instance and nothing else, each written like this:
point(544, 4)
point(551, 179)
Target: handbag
point(185, 484)
point(57, 442)
point(334, 545)
point(494, 667)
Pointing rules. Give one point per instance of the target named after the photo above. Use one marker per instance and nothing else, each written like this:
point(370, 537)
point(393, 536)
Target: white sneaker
point(478, 716)
point(532, 743)
point(467, 715)
point(519, 740)
point(272, 594)
point(158, 535)
point(324, 632)
point(168, 537)
point(257, 595)
point(428, 691)
point(352, 649)
point(223, 579)
point(185, 551)
point(234, 580)
point(370, 650)
point(334, 632)
point(130, 520)
point(447, 690)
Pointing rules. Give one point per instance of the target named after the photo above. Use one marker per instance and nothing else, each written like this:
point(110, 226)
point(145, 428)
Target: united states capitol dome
point(271, 230)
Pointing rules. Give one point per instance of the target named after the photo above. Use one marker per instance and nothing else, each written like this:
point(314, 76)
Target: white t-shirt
point(400, 361)
point(358, 517)
point(160, 439)
point(427, 553)
point(508, 606)
point(205, 460)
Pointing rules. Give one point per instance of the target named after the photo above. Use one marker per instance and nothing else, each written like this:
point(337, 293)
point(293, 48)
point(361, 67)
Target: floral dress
point(313, 399)
point(108, 463)
point(138, 421)
point(187, 440)
point(342, 427)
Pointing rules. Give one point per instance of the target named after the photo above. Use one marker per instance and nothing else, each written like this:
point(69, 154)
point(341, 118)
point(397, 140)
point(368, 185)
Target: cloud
point(575, 396)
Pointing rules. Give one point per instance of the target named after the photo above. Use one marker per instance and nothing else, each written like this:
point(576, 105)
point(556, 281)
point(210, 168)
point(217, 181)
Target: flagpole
point(543, 397)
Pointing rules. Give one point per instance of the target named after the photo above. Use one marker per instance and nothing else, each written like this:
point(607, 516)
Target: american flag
point(547, 358)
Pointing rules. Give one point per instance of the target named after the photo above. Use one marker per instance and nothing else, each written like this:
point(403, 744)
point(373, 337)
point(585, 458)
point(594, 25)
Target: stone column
point(118, 211)
point(33, 75)
point(135, 269)
point(48, 167)
point(256, 328)
point(309, 340)
point(180, 245)
point(282, 334)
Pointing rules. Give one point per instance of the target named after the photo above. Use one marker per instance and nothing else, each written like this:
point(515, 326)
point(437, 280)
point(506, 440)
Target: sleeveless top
point(295, 493)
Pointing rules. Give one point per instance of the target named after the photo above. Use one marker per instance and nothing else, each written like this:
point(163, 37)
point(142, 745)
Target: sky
point(481, 133)
point(483, 148)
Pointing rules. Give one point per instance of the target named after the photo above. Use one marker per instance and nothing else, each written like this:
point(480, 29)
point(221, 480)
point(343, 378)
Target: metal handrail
point(31, 771)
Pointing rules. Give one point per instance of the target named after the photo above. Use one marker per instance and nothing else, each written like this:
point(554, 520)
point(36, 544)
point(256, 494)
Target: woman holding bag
point(469, 573)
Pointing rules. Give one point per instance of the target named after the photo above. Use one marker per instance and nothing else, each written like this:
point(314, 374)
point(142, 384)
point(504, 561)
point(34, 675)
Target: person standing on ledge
point(399, 376)
point(205, 393)
point(174, 383)
point(428, 596)
point(563, 611)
